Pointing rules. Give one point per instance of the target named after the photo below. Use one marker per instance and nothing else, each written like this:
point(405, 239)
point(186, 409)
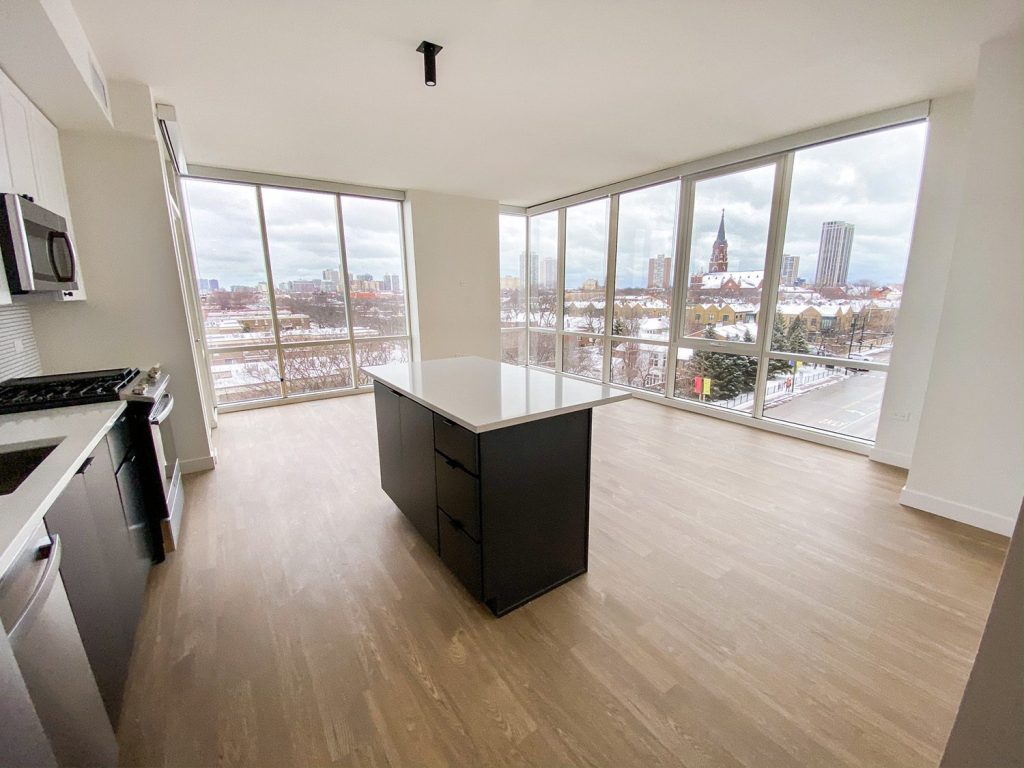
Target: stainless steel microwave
point(36, 247)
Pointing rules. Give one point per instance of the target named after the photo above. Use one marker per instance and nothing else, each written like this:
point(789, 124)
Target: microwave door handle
point(51, 238)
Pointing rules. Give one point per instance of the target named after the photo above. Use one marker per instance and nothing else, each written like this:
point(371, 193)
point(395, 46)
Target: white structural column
point(969, 454)
point(452, 252)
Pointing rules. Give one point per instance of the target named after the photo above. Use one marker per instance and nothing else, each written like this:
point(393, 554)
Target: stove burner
point(63, 389)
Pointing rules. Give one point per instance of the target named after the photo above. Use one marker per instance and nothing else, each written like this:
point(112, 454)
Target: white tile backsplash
point(18, 353)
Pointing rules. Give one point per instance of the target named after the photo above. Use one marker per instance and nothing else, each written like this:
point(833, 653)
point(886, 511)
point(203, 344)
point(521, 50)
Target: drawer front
point(456, 442)
point(460, 553)
point(458, 494)
point(119, 438)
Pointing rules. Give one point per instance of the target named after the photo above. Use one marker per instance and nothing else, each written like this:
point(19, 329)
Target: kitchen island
point(490, 463)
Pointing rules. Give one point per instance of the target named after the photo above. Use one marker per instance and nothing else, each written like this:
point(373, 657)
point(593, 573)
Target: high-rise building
point(214, 284)
point(332, 276)
point(790, 270)
point(396, 284)
point(659, 272)
point(834, 253)
point(720, 250)
point(550, 269)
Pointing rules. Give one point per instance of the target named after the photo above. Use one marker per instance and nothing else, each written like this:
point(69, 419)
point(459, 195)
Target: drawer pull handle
point(449, 422)
point(452, 463)
point(456, 524)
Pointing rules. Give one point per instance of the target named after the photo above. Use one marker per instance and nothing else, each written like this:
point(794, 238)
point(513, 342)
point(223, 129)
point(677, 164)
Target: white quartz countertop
point(77, 431)
point(482, 395)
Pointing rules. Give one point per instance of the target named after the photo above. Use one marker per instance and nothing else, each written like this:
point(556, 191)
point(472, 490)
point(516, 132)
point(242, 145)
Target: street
point(849, 406)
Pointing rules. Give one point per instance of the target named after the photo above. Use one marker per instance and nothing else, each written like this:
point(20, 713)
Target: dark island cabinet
point(405, 439)
point(106, 560)
point(508, 508)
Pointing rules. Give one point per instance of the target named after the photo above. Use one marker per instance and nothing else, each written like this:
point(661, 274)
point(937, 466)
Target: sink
point(17, 462)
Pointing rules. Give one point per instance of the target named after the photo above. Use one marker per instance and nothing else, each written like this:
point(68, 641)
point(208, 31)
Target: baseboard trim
point(892, 458)
point(954, 510)
point(203, 463)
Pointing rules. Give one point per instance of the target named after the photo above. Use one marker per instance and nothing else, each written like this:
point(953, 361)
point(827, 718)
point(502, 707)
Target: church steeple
point(720, 250)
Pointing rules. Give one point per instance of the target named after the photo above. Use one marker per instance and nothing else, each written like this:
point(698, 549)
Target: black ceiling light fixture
point(429, 51)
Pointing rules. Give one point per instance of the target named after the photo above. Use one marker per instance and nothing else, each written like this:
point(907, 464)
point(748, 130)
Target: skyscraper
point(396, 284)
point(834, 253)
point(720, 250)
point(659, 272)
point(550, 267)
point(790, 269)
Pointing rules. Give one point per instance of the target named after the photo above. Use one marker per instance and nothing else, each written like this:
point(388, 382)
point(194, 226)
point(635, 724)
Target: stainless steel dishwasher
point(34, 611)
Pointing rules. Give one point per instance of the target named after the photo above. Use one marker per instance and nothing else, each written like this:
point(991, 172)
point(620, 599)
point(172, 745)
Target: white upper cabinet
point(5, 164)
point(50, 187)
point(31, 164)
point(14, 108)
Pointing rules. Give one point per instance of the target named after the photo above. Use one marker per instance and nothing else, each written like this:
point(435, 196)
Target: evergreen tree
point(796, 337)
point(779, 344)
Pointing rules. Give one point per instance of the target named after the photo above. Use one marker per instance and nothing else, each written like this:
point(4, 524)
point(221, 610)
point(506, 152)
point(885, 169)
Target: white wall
point(452, 249)
point(931, 253)
point(968, 462)
point(135, 312)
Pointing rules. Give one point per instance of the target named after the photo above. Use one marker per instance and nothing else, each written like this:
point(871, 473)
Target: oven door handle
point(162, 409)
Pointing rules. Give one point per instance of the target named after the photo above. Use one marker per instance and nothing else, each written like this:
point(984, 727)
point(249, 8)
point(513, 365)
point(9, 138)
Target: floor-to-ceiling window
point(768, 289)
point(512, 287)
point(297, 288)
point(542, 289)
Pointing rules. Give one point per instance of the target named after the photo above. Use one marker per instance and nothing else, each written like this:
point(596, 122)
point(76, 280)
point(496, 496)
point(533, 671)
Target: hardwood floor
point(752, 600)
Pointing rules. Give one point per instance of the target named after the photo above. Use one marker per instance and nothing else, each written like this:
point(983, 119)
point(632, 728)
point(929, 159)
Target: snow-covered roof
point(713, 280)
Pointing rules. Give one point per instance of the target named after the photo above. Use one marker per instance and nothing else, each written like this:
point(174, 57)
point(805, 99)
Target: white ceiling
point(535, 99)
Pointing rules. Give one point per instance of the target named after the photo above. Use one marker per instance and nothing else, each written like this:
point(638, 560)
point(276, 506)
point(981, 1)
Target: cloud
point(302, 233)
point(870, 181)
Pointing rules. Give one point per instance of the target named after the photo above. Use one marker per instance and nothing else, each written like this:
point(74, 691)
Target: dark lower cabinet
point(461, 554)
point(103, 568)
point(510, 506)
point(134, 566)
point(389, 441)
point(405, 437)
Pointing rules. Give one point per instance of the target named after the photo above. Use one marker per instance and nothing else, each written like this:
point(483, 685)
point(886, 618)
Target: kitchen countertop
point(482, 395)
point(79, 429)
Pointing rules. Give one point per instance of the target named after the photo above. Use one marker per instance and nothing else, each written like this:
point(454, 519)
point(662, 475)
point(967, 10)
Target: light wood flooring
point(752, 600)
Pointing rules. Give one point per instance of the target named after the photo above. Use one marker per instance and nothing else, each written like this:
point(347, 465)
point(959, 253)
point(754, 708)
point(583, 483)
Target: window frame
point(783, 159)
point(279, 344)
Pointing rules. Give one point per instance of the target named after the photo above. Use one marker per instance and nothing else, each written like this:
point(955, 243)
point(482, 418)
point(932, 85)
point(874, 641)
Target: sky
point(870, 181)
point(302, 232)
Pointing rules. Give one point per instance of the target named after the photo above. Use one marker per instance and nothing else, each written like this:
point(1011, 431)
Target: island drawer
point(458, 494)
point(460, 553)
point(456, 443)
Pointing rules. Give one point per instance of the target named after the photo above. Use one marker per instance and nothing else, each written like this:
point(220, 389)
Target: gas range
point(33, 393)
point(146, 418)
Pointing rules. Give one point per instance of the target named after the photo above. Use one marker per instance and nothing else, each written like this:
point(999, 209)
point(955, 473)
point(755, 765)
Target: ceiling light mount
point(429, 51)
